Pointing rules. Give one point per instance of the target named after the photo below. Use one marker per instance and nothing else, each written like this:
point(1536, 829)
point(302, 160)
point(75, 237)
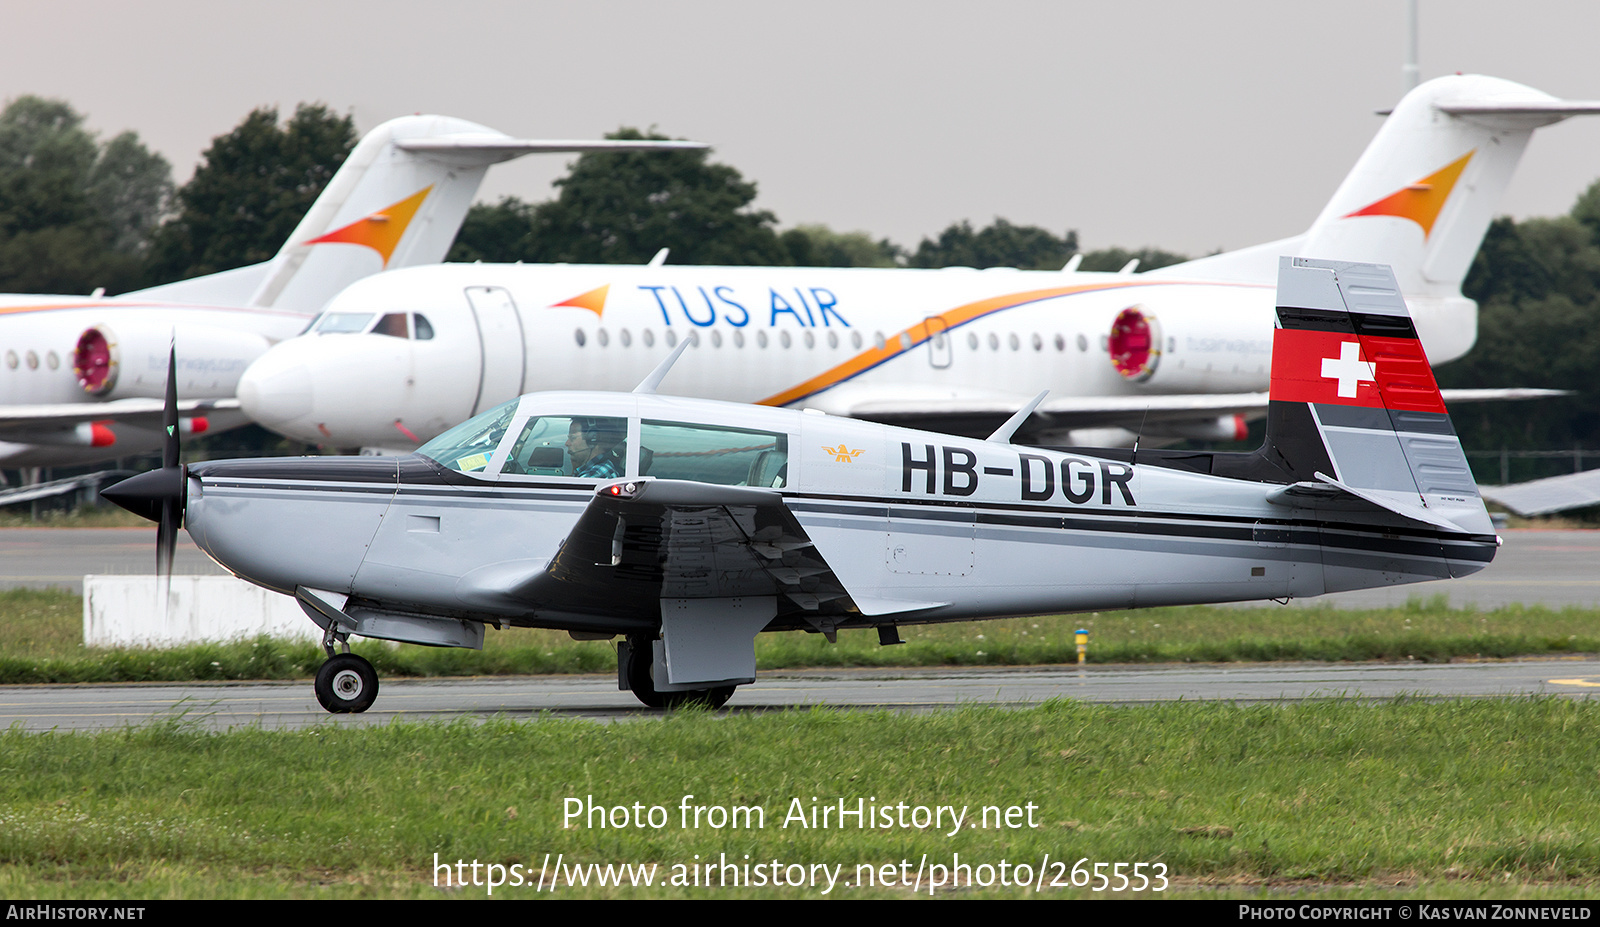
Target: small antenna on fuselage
point(1133, 460)
point(649, 383)
point(1004, 432)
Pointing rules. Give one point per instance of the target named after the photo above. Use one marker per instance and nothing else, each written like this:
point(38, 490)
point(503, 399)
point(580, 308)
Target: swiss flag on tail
point(1343, 368)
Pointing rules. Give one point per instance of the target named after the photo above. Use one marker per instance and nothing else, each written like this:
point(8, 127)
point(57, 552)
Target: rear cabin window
point(705, 454)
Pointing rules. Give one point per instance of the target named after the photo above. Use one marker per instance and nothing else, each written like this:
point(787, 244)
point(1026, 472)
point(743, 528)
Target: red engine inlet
point(1135, 344)
point(95, 362)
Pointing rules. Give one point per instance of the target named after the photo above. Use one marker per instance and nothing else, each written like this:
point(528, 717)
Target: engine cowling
point(124, 362)
point(1194, 345)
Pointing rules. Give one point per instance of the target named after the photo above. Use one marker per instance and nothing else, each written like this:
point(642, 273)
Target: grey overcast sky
point(1188, 126)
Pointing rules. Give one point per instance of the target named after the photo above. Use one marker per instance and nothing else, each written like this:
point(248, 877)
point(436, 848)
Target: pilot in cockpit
point(597, 447)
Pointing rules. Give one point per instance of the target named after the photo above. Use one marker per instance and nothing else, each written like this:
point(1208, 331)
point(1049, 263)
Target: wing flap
point(642, 541)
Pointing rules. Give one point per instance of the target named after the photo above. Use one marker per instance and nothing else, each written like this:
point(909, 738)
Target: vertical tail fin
point(397, 201)
point(1420, 199)
point(1354, 405)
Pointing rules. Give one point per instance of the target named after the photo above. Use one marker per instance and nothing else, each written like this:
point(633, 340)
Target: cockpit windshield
point(394, 324)
point(342, 323)
point(470, 446)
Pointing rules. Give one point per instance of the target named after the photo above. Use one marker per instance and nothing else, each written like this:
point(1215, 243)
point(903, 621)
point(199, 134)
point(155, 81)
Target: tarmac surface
point(220, 706)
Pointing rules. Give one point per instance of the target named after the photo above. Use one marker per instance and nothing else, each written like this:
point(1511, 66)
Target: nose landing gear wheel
point(346, 684)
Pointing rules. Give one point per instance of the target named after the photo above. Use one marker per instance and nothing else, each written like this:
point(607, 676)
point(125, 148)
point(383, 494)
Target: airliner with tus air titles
point(1178, 352)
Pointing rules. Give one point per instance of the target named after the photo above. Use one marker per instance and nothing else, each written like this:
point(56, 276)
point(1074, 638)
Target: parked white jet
point(1182, 351)
point(82, 377)
point(688, 526)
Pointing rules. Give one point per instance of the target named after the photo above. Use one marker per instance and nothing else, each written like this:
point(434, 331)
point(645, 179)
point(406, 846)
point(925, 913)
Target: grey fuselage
point(914, 526)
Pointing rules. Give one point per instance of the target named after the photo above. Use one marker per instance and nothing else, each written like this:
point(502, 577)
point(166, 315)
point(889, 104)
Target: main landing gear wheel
point(346, 684)
point(641, 679)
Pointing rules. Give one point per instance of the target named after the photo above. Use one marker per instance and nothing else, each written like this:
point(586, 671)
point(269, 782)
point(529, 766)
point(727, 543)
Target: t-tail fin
point(397, 201)
point(1354, 409)
point(1420, 199)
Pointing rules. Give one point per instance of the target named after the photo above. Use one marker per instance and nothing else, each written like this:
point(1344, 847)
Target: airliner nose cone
point(276, 396)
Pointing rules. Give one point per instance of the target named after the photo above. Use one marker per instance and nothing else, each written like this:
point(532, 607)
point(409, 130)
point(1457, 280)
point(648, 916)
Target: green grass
point(41, 641)
point(1473, 798)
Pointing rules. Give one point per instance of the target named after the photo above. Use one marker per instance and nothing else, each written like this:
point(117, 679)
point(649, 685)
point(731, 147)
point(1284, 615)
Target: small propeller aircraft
point(687, 526)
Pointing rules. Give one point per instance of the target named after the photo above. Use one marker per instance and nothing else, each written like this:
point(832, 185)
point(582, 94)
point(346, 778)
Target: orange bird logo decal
point(842, 453)
point(1422, 201)
point(380, 231)
point(594, 301)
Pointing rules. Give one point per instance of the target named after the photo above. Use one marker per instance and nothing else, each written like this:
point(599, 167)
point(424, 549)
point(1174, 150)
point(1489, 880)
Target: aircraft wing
point(139, 412)
point(981, 416)
point(671, 539)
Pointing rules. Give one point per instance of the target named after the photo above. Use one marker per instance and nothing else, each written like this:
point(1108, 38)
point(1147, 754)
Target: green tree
point(1114, 259)
point(820, 246)
point(998, 245)
point(498, 234)
point(252, 188)
point(73, 214)
point(623, 207)
point(1537, 284)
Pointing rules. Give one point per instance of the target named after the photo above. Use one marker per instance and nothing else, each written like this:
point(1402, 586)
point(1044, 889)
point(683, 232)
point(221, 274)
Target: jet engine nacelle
point(130, 361)
point(1194, 345)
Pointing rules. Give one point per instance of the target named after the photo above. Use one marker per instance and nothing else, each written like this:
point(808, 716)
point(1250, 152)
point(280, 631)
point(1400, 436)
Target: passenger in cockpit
point(598, 447)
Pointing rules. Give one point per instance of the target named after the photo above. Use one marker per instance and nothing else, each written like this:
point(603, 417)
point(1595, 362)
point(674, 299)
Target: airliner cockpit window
point(470, 446)
point(423, 330)
point(344, 323)
point(393, 324)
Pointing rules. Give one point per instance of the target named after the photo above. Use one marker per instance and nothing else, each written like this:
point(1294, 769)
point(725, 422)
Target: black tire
point(642, 682)
point(346, 684)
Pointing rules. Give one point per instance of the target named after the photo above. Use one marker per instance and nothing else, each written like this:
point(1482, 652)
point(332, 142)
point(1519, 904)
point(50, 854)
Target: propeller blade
point(160, 495)
point(167, 537)
point(169, 416)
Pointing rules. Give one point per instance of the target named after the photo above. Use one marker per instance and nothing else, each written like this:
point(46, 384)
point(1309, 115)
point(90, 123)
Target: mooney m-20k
point(687, 526)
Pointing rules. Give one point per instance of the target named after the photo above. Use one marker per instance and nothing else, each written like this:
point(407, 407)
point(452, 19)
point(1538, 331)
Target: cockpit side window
point(706, 454)
point(470, 446)
point(423, 330)
point(587, 447)
point(393, 324)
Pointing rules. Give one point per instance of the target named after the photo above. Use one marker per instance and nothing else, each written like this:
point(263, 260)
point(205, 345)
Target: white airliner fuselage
point(840, 340)
point(1177, 352)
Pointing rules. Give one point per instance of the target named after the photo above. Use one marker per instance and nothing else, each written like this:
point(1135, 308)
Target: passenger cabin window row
point(52, 360)
point(809, 339)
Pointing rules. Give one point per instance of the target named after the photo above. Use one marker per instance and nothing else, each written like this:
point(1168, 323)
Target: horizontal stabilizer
point(1328, 490)
point(476, 150)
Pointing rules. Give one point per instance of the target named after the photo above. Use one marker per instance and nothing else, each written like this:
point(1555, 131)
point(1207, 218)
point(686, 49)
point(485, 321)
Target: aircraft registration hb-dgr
point(1178, 352)
point(82, 376)
point(687, 526)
